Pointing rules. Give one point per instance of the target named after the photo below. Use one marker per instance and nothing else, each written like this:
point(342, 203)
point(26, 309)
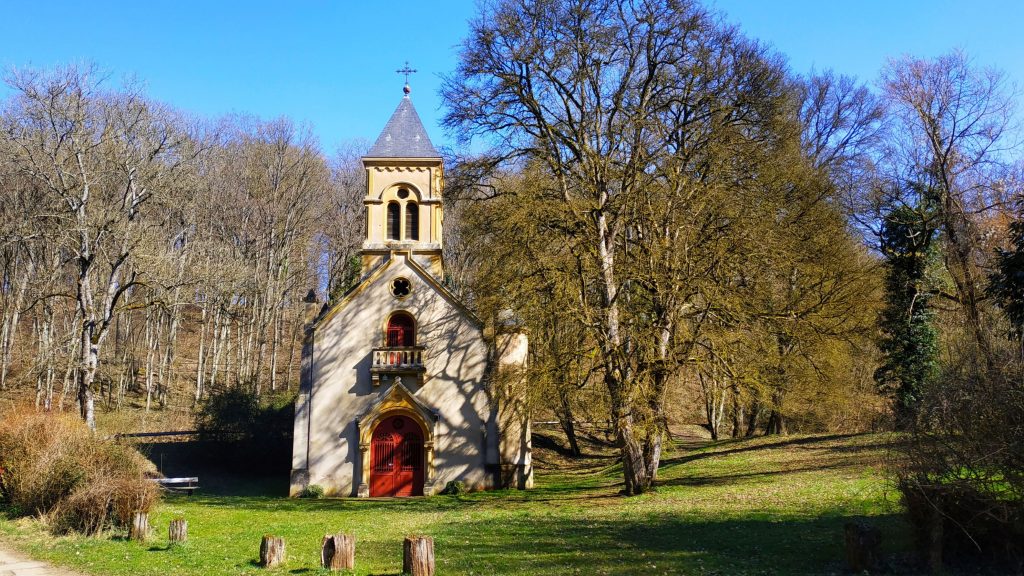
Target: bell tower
point(404, 180)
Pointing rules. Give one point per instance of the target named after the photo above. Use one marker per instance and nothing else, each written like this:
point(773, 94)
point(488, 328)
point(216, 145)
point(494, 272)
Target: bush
point(454, 488)
point(314, 491)
point(961, 470)
point(53, 466)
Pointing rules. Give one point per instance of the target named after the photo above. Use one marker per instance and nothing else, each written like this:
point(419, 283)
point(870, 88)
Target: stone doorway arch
point(397, 405)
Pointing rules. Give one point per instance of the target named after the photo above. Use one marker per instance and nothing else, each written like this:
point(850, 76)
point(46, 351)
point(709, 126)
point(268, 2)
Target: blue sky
point(331, 63)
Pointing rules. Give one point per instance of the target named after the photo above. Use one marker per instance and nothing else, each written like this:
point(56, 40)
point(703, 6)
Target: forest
point(688, 231)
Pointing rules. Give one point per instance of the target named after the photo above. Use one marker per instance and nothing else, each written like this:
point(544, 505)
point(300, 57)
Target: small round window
point(403, 193)
point(400, 287)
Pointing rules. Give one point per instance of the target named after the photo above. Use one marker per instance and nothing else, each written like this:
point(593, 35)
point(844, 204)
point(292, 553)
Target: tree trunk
point(272, 551)
point(634, 469)
point(338, 552)
point(178, 530)
point(567, 422)
point(274, 342)
point(10, 323)
point(140, 527)
point(714, 401)
point(737, 412)
point(776, 424)
point(418, 556)
point(935, 537)
point(296, 330)
point(753, 417)
point(200, 356)
point(656, 404)
point(776, 421)
point(652, 453)
point(86, 375)
point(72, 361)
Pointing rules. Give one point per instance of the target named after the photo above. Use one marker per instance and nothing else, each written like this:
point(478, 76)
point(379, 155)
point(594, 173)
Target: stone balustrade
point(391, 361)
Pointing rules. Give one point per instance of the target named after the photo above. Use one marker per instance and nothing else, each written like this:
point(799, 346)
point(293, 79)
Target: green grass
point(762, 506)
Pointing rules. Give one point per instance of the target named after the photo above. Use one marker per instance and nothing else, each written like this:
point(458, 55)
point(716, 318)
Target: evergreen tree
point(909, 340)
point(1006, 283)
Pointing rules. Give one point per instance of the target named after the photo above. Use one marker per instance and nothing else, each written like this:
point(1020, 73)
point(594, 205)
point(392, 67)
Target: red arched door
point(396, 458)
point(401, 330)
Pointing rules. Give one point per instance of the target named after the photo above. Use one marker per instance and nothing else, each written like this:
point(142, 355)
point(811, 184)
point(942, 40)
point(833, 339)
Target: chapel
point(403, 390)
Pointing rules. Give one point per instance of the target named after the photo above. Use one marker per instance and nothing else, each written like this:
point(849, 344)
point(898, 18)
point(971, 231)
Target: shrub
point(54, 466)
point(454, 488)
point(960, 470)
point(314, 491)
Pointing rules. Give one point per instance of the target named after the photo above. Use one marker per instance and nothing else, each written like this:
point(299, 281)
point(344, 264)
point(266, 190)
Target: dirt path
point(12, 564)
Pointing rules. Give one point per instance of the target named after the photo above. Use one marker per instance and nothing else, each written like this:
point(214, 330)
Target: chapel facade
point(402, 388)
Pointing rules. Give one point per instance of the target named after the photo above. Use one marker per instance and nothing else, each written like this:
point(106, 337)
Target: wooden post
point(418, 556)
point(863, 543)
point(139, 527)
point(271, 551)
point(178, 530)
point(338, 552)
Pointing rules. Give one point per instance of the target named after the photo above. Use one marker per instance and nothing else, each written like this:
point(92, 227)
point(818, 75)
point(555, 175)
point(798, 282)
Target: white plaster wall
point(455, 360)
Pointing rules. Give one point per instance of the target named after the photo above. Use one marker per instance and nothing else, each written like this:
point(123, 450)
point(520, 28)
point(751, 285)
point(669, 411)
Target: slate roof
point(403, 136)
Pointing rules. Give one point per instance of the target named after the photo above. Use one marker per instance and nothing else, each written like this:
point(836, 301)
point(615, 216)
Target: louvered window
point(394, 220)
point(412, 221)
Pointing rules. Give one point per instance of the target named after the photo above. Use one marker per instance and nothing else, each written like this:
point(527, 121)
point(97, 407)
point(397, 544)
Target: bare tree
point(104, 156)
point(953, 136)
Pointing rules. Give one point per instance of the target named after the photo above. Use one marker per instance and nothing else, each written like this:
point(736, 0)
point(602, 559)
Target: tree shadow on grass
point(726, 479)
point(755, 447)
point(655, 544)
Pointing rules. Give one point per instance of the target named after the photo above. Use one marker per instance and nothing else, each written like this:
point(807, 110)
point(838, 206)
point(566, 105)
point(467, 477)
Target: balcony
point(391, 361)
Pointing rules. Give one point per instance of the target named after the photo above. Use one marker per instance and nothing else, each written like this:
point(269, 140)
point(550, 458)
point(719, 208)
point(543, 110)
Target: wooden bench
point(187, 485)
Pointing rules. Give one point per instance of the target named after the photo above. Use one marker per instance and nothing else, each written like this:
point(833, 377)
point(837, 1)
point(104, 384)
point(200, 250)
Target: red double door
point(396, 458)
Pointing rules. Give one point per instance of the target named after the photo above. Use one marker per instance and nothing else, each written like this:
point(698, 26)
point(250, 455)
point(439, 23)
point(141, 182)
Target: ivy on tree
point(1006, 283)
point(909, 342)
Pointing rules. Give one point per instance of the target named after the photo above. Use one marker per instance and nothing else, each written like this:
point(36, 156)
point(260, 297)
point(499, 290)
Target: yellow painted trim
point(398, 400)
point(444, 291)
point(413, 189)
point(396, 410)
point(424, 274)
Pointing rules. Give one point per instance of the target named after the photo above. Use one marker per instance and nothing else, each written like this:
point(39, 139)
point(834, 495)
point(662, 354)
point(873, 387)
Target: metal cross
point(406, 71)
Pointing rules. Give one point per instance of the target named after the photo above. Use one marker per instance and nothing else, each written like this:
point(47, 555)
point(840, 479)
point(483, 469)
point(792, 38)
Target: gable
point(382, 275)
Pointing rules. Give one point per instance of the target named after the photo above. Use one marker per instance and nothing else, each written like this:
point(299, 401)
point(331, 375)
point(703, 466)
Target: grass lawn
point(763, 506)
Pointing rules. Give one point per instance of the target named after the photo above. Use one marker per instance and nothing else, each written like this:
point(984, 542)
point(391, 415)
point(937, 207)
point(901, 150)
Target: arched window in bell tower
point(394, 220)
point(412, 221)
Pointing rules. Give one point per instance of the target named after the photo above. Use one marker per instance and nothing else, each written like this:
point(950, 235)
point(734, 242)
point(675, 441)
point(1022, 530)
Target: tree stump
point(338, 552)
point(140, 526)
point(863, 543)
point(271, 551)
point(418, 557)
point(178, 530)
